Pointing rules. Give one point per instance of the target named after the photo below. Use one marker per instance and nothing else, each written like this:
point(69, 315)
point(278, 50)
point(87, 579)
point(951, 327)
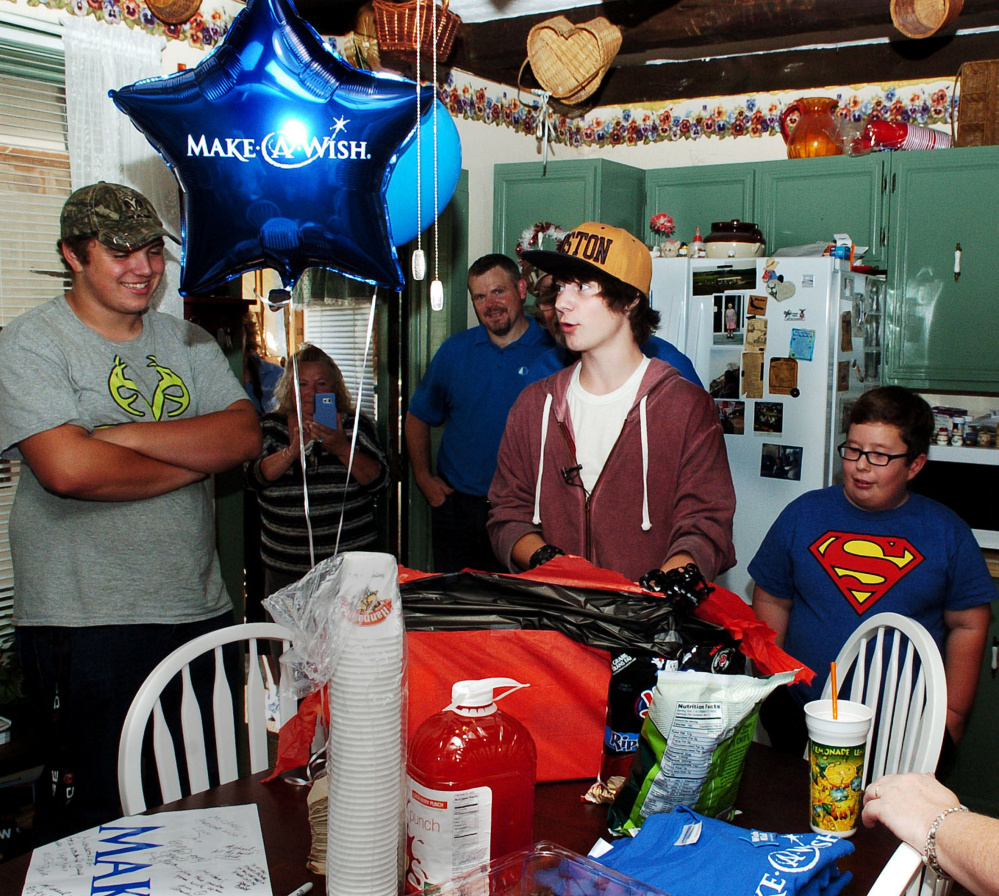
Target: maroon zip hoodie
point(665, 487)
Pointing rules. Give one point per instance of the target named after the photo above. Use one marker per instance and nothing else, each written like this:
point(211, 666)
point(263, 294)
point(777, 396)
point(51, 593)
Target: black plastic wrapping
point(614, 621)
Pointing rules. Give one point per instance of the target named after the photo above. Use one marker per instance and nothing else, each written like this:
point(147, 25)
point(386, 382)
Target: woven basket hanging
point(570, 60)
point(923, 18)
point(399, 25)
point(173, 12)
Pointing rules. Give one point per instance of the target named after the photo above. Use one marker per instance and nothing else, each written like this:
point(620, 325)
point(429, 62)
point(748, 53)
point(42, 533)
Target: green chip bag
point(692, 746)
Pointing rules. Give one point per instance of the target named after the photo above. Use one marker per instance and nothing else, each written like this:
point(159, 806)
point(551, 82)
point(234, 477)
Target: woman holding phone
point(278, 476)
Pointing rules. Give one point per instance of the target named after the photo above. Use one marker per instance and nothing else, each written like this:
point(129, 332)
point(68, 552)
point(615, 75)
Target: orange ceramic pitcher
point(816, 132)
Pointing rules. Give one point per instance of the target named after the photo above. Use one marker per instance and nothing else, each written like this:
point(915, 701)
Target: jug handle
point(791, 107)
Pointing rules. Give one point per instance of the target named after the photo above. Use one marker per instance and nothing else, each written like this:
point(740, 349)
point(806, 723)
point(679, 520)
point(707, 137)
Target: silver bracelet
point(930, 852)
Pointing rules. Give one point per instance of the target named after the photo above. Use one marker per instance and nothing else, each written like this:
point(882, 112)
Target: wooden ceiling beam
point(802, 70)
point(715, 45)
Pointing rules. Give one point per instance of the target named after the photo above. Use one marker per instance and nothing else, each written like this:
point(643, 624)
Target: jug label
point(447, 833)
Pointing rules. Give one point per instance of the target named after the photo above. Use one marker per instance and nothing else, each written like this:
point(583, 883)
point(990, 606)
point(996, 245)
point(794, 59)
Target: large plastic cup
point(836, 752)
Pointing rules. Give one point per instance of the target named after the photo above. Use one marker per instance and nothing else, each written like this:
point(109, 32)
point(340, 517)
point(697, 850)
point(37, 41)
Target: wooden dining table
point(773, 796)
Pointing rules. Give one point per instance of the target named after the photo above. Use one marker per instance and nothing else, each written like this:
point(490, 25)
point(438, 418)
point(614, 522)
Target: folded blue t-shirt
point(687, 854)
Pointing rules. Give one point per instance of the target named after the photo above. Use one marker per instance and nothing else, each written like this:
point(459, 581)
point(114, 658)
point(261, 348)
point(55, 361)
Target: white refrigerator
point(784, 346)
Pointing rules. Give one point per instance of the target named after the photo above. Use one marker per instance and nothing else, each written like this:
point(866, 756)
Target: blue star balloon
point(285, 155)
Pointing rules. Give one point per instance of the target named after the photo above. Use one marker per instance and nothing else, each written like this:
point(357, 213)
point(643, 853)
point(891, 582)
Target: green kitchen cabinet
point(940, 328)
point(802, 201)
point(566, 194)
point(697, 197)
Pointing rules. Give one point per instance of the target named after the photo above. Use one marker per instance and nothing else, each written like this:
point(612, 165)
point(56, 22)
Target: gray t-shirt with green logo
point(84, 563)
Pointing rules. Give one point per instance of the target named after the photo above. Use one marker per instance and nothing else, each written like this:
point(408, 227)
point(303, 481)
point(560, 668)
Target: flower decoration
point(662, 223)
point(534, 237)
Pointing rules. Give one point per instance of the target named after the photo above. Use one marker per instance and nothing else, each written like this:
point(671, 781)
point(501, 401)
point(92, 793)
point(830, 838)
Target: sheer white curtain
point(103, 142)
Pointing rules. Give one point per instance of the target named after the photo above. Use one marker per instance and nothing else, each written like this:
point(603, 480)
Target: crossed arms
point(134, 461)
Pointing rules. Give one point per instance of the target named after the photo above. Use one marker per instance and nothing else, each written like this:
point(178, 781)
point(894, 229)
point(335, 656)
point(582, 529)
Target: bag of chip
point(692, 746)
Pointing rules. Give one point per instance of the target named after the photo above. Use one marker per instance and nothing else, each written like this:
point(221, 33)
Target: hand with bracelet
point(929, 817)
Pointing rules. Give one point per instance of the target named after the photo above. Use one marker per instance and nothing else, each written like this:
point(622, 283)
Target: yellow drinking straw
point(832, 678)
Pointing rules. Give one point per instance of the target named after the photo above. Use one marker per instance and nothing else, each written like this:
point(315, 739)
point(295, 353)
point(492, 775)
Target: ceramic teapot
point(816, 132)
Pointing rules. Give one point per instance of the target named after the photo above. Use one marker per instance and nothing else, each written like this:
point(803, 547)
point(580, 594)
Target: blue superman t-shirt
point(840, 564)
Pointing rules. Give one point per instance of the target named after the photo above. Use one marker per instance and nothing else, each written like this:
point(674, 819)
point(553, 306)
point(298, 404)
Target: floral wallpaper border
point(204, 29)
point(918, 103)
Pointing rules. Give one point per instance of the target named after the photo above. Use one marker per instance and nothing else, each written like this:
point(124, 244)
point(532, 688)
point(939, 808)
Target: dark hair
point(899, 407)
point(546, 294)
point(496, 260)
point(619, 296)
point(79, 246)
point(284, 391)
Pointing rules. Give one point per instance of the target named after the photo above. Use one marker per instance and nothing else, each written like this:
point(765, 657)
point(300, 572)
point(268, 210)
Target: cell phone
point(325, 412)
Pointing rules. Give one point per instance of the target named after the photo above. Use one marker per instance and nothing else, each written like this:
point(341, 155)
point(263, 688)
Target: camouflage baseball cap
point(116, 215)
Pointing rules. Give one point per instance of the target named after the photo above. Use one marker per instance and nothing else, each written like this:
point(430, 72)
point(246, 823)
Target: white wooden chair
point(902, 680)
point(897, 670)
point(902, 875)
point(147, 702)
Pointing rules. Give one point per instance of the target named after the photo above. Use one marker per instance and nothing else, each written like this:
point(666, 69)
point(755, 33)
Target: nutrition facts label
point(690, 744)
point(447, 833)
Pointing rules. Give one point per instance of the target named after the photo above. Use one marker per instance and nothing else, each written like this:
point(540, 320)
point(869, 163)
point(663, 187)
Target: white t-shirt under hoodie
point(597, 421)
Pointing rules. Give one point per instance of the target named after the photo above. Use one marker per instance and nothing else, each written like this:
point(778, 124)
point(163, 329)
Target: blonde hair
point(284, 391)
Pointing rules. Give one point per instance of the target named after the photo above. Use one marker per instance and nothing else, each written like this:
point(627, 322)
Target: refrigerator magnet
point(783, 378)
point(756, 335)
point(731, 415)
point(846, 332)
point(752, 375)
point(728, 320)
point(768, 416)
point(842, 376)
point(779, 289)
point(780, 461)
point(802, 344)
point(757, 306)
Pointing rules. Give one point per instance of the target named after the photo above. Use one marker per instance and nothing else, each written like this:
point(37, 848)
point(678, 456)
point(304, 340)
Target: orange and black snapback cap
point(597, 247)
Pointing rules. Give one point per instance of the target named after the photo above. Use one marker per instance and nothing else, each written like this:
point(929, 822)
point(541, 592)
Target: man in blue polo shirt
point(469, 388)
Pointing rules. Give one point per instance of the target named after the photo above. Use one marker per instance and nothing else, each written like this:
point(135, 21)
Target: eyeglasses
point(874, 458)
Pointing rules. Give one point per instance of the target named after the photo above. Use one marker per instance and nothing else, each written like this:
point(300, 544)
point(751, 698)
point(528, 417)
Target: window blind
point(34, 184)
point(340, 329)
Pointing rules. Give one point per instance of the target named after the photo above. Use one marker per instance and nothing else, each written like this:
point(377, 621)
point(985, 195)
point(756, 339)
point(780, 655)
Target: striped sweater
point(284, 538)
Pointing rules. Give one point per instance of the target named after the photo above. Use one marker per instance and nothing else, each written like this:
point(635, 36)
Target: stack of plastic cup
point(917, 137)
point(366, 750)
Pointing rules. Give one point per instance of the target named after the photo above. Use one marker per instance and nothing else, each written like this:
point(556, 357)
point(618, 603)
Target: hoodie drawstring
point(541, 460)
point(646, 522)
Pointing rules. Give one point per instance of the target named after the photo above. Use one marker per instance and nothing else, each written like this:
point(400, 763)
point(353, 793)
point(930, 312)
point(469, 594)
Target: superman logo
point(865, 567)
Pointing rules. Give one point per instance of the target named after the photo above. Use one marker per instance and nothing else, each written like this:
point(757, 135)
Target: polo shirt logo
point(865, 567)
point(588, 246)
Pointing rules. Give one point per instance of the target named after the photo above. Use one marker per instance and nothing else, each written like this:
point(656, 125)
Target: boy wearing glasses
point(839, 554)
